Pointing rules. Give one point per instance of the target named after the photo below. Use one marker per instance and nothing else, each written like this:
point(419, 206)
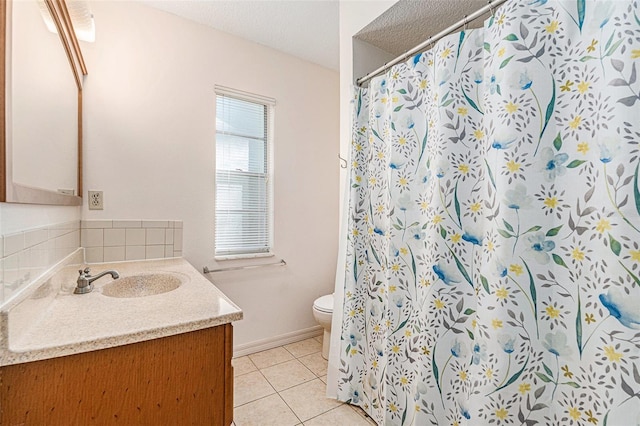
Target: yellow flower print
point(583, 147)
point(479, 134)
point(430, 63)
point(516, 269)
point(455, 238)
point(490, 246)
point(425, 350)
point(574, 413)
point(575, 122)
point(403, 181)
point(590, 417)
point(395, 349)
point(383, 100)
point(502, 293)
point(376, 328)
point(352, 313)
point(395, 99)
point(358, 147)
point(463, 111)
point(552, 27)
point(635, 255)
point(424, 206)
point(407, 333)
point(404, 380)
point(395, 268)
point(475, 207)
point(552, 312)
point(393, 407)
point(551, 202)
point(567, 86)
point(502, 413)
point(425, 282)
point(395, 75)
point(439, 304)
point(423, 84)
point(373, 180)
point(355, 232)
point(592, 47)
point(524, 388)
point(512, 166)
point(446, 52)
point(583, 86)
point(500, 20)
point(496, 323)
point(589, 318)
point(354, 351)
point(611, 354)
point(635, 54)
point(463, 375)
point(567, 373)
point(463, 168)
point(380, 155)
point(358, 178)
point(489, 373)
point(501, 52)
point(577, 254)
point(511, 107)
point(354, 164)
point(402, 141)
point(436, 219)
point(603, 225)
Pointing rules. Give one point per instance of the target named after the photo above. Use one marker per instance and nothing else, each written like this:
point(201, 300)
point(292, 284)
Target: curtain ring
point(431, 42)
point(491, 8)
point(464, 28)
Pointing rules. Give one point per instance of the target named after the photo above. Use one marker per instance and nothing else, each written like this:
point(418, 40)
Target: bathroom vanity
point(118, 357)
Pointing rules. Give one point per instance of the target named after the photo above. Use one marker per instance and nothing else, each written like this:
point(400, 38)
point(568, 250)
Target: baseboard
point(275, 341)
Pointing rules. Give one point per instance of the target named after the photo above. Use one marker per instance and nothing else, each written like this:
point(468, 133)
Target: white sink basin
point(142, 285)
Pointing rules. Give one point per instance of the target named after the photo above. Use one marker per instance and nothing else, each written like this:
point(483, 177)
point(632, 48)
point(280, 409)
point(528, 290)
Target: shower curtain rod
point(469, 18)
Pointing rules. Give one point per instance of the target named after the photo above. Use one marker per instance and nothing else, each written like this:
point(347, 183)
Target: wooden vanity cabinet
point(186, 379)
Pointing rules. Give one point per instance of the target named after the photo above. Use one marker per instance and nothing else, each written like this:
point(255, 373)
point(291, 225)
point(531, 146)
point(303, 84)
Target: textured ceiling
point(410, 22)
point(302, 28)
point(309, 29)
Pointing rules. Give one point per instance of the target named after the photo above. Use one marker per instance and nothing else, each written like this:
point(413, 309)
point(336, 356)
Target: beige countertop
point(50, 321)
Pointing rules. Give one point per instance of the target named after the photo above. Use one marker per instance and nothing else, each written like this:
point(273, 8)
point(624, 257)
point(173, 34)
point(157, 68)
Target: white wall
point(149, 145)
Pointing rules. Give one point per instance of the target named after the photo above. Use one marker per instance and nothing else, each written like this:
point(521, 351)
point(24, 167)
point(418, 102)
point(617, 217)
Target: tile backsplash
point(118, 240)
point(26, 255)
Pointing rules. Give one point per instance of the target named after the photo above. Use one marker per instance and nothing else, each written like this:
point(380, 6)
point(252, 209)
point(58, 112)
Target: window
point(244, 224)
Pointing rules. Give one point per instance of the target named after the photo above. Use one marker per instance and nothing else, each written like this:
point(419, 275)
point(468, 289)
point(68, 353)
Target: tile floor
point(285, 386)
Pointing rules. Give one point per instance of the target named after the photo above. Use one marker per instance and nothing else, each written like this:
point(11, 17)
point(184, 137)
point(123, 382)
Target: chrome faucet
point(85, 280)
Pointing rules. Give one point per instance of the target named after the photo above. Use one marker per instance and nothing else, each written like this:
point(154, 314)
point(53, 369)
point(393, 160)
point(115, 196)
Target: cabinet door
point(185, 379)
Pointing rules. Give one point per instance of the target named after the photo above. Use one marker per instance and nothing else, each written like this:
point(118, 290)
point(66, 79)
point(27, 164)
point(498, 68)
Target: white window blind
point(243, 196)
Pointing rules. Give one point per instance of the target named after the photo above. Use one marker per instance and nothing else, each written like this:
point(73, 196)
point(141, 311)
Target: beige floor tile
point(304, 347)
point(343, 415)
point(249, 387)
point(323, 378)
point(319, 338)
point(308, 400)
point(288, 374)
point(242, 365)
point(270, 357)
point(268, 411)
point(364, 415)
point(315, 363)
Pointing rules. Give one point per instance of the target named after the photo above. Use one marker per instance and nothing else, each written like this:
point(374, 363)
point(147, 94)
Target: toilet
point(322, 311)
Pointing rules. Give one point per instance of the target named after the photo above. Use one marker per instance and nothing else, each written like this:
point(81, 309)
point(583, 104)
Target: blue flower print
point(539, 247)
point(472, 236)
point(517, 197)
point(477, 77)
point(355, 337)
point(500, 143)
point(479, 353)
point(448, 275)
point(405, 202)
point(609, 147)
point(507, 343)
point(458, 349)
point(623, 307)
point(556, 343)
point(552, 164)
point(525, 82)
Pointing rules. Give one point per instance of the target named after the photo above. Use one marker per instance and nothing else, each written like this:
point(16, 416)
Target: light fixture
point(81, 17)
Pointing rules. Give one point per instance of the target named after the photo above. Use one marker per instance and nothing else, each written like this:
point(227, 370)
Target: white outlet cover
point(95, 200)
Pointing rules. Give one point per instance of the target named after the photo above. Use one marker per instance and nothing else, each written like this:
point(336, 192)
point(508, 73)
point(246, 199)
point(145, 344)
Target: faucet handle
point(87, 270)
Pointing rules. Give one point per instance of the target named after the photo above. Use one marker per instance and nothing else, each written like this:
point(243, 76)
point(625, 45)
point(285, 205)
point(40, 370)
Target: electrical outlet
point(95, 200)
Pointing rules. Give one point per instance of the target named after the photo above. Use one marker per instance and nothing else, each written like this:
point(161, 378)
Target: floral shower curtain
point(493, 255)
